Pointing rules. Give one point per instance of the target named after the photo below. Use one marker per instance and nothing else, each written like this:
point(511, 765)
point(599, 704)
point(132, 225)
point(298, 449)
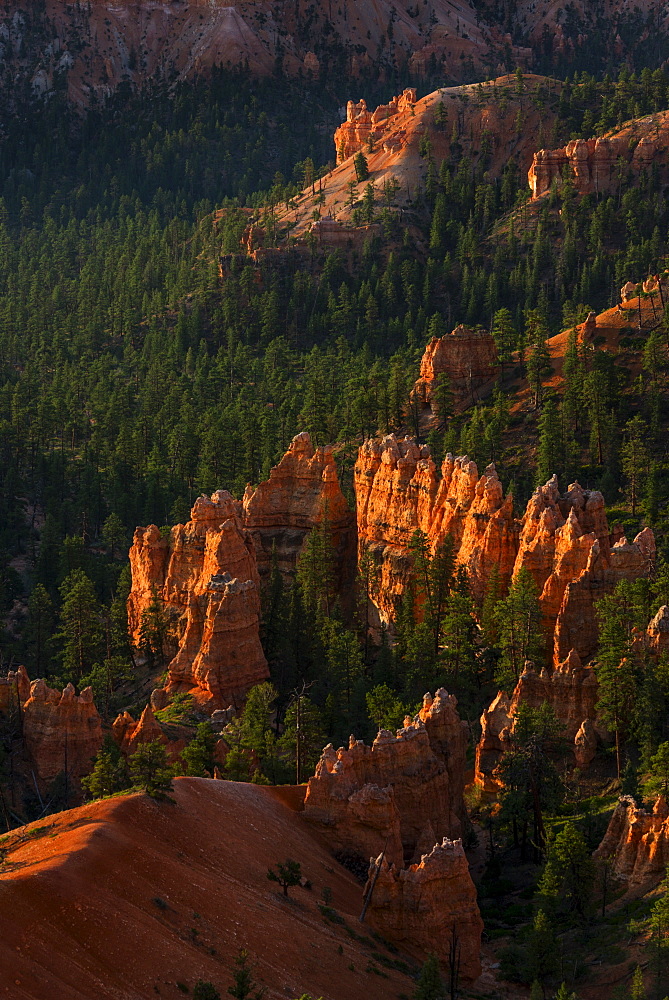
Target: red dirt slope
point(127, 897)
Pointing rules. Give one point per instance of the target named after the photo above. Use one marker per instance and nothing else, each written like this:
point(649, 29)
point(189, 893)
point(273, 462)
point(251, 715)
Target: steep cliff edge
point(204, 577)
point(404, 791)
point(429, 907)
point(302, 492)
point(637, 842)
point(562, 540)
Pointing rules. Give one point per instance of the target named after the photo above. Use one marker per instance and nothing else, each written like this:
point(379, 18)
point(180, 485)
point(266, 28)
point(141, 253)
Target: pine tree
point(518, 621)
point(244, 986)
point(616, 677)
point(635, 460)
point(287, 873)
point(430, 985)
point(80, 625)
point(569, 874)
point(360, 166)
point(198, 754)
point(149, 769)
point(550, 450)
point(39, 631)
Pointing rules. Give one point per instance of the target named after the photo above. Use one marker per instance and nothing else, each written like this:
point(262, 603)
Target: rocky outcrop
point(363, 128)
point(302, 491)
point(637, 841)
point(14, 690)
point(398, 491)
point(593, 165)
point(62, 731)
point(467, 357)
point(658, 631)
point(428, 907)
point(576, 624)
point(562, 540)
point(128, 734)
point(203, 576)
point(496, 726)
point(404, 790)
point(571, 691)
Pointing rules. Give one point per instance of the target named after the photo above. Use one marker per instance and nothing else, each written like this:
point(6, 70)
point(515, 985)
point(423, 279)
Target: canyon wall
point(363, 127)
point(62, 731)
point(467, 355)
point(429, 906)
point(302, 492)
point(637, 841)
point(403, 793)
point(593, 165)
point(204, 578)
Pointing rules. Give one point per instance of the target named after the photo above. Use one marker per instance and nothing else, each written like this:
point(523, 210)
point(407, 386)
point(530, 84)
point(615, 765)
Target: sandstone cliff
point(302, 491)
point(637, 842)
point(364, 128)
point(428, 906)
point(205, 578)
point(398, 491)
point(595, 166)
point(562, 540)
point(467, 356)
point(404, 790)
point(62, 731)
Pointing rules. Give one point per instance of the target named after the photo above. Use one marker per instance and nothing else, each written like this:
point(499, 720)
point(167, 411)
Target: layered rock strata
point(62, 731)
point(302, 492)
point(203, 576)
point(404, 791)
point(467, 357)
point(562, 540)
point(593, 165)
point(363, 128)
point(429, 907)
point(637, 841)
point(571, 691)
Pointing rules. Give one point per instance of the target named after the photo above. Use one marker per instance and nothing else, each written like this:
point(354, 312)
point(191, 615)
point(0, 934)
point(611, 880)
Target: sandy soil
point(127, 897)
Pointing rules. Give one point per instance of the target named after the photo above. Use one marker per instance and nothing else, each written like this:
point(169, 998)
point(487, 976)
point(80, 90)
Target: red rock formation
point(576, 625)
point(398, 492)
point(129, 734)
point(496, 725)
point(585, 744)
point(563, 540)
point(571, 691)
point(637, 842)
point(592, 164)
point(205, 577)
point(404, 789)
point(362, 126)
point(658, 631)
point(14, 689)
point(418, 907)
point(302, 491)
point(468, 356)
point(62, 731)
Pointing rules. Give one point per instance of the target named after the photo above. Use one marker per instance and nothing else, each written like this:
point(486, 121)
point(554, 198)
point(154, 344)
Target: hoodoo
point(404, 791)
point(429, 907)
point(204, 578)
point(302, 492)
